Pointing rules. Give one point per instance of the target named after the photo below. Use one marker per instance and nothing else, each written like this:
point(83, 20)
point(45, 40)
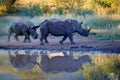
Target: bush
point(84, 12)
point(59, 11)
point(45, 9)
point(32, 10)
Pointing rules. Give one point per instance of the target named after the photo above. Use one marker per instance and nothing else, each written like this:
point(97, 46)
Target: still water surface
point(58, 65)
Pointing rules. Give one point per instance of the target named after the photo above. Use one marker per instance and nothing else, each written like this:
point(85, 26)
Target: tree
point(8, 4)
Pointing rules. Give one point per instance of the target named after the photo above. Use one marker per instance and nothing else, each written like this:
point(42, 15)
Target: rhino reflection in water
point(64, 63)
point(22, 61)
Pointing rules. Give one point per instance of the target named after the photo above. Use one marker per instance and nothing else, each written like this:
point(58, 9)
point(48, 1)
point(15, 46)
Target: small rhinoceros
point(64, 28)
point(23, 28)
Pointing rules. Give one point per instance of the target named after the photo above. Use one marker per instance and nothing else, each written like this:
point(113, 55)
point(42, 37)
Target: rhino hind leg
point(10, 32)
point(16, 37)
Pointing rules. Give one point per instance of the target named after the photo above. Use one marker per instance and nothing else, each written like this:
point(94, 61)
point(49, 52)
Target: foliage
point(101, 7)
point(8, 5)
point(104, 3)
point(83, 12)
point(59, 11)
point(32, 10)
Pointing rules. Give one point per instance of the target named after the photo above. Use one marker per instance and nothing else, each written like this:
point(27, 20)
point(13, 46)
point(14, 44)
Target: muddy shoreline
point(82, 44)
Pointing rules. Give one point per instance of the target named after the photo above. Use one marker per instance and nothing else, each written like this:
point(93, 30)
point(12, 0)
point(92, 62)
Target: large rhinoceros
point(64, 63)
point(23, 28)
point(64, 28)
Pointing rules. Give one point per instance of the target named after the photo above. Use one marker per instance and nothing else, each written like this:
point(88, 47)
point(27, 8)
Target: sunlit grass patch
point(111, 34)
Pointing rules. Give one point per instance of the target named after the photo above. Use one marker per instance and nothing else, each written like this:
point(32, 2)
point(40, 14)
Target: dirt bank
point(82, 43)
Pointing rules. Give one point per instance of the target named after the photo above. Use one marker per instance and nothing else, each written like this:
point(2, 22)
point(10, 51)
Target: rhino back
point(19, 27)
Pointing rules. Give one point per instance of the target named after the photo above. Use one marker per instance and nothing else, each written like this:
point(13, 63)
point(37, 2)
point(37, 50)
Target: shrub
point(59, 11)
point(32, 10)
point(84, 12)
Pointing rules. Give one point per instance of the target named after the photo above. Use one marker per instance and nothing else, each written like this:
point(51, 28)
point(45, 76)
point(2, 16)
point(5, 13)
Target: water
point(58, 65)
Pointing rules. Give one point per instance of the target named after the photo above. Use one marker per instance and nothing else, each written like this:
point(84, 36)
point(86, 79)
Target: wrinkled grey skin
point(22, 61)
point(64, 63)
point(64, 28)
point(23, 28)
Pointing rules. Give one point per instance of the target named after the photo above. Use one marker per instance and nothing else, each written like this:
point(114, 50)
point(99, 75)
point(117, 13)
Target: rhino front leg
point(25, 39)
point(46, 41)
point(29, 38)
point(16, 37)
point(41, 40)
point(63, 39)
point(71, 38)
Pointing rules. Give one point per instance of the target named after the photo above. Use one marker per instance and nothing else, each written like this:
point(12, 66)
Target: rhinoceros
point(64, 28)
point(23, 28)
point(64, 63)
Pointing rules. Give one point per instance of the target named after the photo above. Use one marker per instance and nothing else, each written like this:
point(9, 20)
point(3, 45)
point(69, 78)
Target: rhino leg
point(70, 35)
point(16, 37)
point(10, 32)
point(46, 41)
point(27, 37)
point(41, 40)
point(63, 39)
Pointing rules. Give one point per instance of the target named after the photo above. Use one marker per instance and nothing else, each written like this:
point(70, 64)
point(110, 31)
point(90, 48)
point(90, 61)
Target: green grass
point(101, 22)
point(111, 34)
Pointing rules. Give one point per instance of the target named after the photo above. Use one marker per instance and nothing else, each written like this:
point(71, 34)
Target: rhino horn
point(89, 29)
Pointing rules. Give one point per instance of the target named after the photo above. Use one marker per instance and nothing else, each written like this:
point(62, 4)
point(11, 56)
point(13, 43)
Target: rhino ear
point(81, 22)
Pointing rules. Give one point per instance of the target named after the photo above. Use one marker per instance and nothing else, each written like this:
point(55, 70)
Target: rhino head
point(33, 32)
point(77, 27)
point(82, 31)
point(32, 29)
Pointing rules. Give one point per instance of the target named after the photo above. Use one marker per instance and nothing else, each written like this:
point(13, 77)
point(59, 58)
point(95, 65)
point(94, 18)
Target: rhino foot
point(46, 42)
point(29, 41)
point(72, 43)
point(41, 43)
point(60, 42)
